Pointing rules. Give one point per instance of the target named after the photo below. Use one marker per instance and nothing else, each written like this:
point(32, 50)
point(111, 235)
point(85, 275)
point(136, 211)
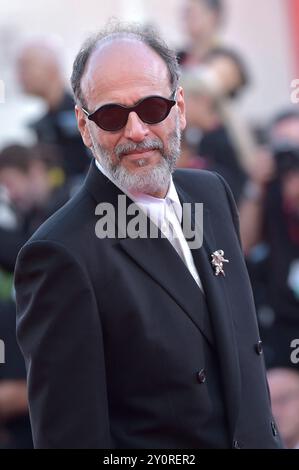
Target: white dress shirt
point(166, 213)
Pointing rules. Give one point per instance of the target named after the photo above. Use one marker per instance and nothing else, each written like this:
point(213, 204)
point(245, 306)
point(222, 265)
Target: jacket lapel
point(219, 307)
point(156, 256)
point(162, 263)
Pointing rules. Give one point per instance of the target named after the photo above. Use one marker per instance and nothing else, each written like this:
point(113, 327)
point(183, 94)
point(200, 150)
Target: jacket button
point(201, 376)
point(274, 429)
point(236, 444)
point(259, 348)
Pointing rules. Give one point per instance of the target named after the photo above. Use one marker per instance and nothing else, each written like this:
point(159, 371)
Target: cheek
point(17, 193)
point(161, 132)
point(108, 141)
point(99, 137)
point(14, 188)
point(24, 190)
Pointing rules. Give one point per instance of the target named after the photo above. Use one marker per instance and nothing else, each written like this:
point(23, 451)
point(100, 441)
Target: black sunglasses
point(151, 110)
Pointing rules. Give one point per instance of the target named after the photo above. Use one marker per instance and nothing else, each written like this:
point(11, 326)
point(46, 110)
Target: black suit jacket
point(114, 331)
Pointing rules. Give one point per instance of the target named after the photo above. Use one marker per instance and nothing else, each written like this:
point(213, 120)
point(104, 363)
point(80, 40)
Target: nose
point(135, 128)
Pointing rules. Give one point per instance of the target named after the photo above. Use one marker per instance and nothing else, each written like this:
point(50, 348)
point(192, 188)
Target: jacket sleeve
point(60, 335)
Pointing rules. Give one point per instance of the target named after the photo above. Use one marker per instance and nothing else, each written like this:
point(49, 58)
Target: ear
point(83, 127)
point(181, 106)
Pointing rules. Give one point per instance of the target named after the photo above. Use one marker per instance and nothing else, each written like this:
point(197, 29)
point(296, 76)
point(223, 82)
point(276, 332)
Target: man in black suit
point(140, 341)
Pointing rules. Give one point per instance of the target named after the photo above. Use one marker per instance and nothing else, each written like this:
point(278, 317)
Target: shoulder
point(203, 181)
point(57, 246)
point(191, 174)
point(67, 221)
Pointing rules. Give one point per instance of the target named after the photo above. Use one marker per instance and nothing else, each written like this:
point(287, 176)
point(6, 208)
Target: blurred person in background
point(215, 130)
point(35, 186)
point(40, 73)
point(269, 222)
point(189, 157)
point(213, 126)
point(15, 431)
point(201, 21)
point(284, 391)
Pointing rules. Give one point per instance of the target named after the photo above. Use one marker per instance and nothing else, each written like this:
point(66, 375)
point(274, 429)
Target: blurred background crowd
point(238, 61)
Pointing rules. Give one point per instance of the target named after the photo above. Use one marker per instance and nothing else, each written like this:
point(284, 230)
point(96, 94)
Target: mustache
point(149, 144)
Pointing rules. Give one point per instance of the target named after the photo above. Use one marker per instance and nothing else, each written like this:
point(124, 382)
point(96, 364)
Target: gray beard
point(146, 181)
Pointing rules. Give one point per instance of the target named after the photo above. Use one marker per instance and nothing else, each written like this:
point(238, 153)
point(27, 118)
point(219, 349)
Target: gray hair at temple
point(119, 31)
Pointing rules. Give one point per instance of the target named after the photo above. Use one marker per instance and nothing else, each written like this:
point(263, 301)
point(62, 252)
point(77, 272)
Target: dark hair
point(22, 158)
point(116, 31)
point(16, 156)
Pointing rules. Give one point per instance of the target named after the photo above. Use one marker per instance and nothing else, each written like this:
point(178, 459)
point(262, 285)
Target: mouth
point(137, 154)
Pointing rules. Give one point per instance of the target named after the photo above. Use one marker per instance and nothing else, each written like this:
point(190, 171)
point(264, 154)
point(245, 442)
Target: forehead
point(124, 71)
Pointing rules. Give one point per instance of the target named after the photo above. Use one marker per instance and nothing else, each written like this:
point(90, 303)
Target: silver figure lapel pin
point(217, 262)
